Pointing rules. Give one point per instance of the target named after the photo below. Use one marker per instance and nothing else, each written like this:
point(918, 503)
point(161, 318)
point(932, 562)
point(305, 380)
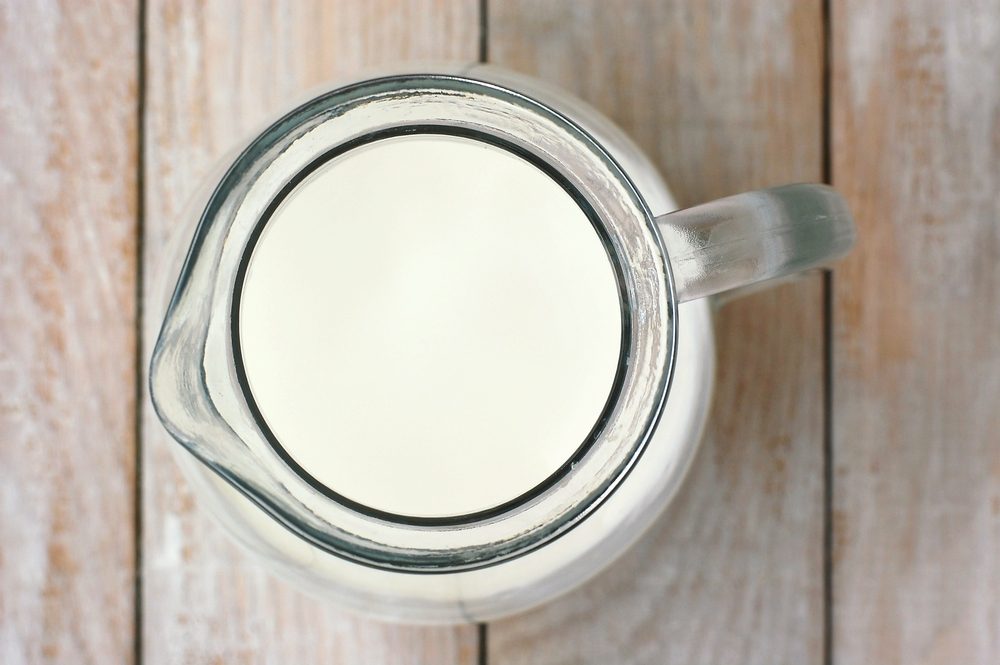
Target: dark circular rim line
point(534, 160)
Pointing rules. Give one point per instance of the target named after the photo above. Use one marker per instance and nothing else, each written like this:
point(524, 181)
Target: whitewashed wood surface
point(100, 564)
point(916, 147)
point(733, 572)
point(68, 236)
point(216, 70)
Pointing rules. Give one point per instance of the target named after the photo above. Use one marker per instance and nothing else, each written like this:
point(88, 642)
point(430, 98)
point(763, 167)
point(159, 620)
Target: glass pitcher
point(453, 487)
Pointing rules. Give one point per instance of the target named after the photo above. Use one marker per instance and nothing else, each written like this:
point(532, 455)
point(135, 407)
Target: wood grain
point(68, 137)
point(916, 129)
point(725, 96)
point(216, 70)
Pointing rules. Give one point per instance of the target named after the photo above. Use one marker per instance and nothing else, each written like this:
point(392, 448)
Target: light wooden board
point(916, 137)
point(726, 96)
point(68, 130)
point(215, 70)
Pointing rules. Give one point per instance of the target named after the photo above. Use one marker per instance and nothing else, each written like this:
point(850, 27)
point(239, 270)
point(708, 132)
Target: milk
point(429, 325)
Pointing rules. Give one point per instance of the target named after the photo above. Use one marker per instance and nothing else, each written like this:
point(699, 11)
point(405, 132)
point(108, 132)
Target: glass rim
point(262, 153)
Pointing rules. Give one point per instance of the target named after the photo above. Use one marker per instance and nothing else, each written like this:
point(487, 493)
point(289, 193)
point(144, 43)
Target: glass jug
point(357, 484)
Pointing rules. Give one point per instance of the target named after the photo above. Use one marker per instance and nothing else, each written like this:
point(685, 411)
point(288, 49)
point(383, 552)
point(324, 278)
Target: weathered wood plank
point(216, 70)
point(68, 137)
point(916, 122)
point(726, 96)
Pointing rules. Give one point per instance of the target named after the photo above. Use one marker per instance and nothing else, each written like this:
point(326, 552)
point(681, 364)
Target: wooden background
point(845, 507)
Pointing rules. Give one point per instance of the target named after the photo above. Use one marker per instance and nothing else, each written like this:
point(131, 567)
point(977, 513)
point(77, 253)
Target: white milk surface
point(430, 325)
